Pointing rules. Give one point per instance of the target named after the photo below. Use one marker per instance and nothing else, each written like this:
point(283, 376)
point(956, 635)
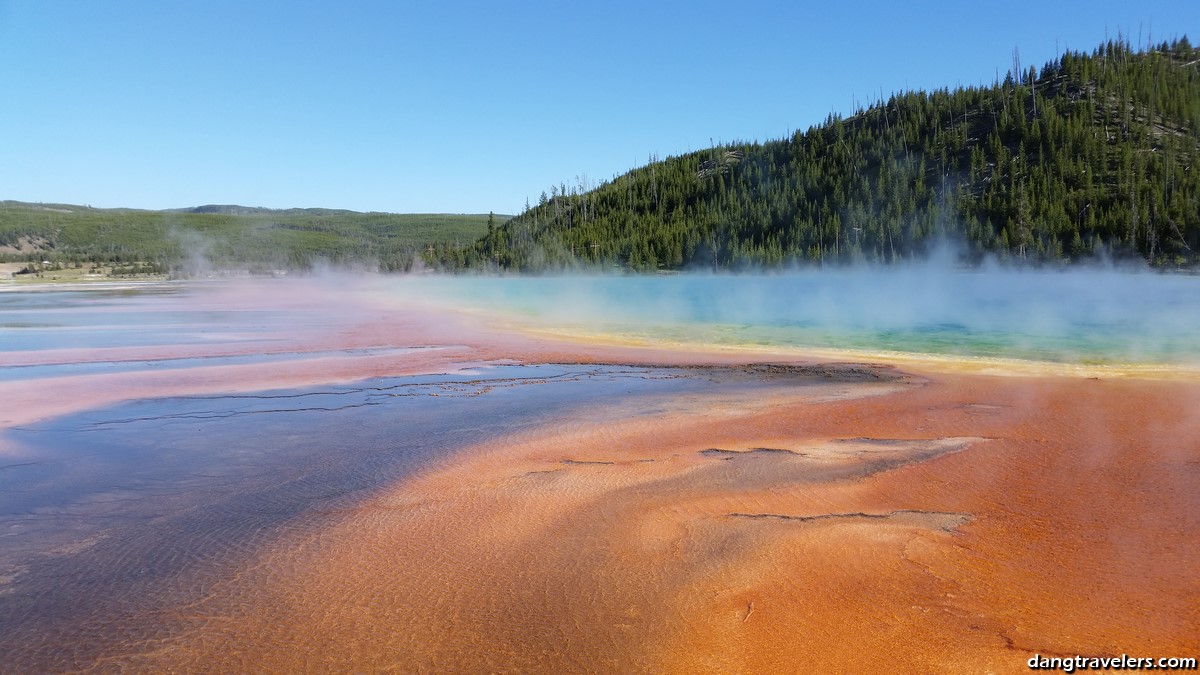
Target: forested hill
point(1094, 154)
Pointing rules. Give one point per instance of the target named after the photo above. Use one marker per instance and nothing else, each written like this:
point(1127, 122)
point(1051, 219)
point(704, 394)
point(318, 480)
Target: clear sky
point(466, 107)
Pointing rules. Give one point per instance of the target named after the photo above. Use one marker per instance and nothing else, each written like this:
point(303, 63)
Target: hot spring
point(1092, 317)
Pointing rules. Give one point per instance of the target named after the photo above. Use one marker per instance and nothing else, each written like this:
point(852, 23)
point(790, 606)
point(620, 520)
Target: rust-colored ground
point(1052, 516)
point(949, 523)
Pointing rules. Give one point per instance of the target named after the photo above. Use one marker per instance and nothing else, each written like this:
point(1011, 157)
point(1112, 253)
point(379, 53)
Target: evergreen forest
point(1092, 155)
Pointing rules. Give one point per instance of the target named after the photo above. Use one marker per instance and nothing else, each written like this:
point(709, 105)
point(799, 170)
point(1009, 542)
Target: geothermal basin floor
point(474, 502)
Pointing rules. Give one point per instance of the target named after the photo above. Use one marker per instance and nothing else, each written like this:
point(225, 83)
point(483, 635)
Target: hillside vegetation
point(228, 237)
point(1092, 155)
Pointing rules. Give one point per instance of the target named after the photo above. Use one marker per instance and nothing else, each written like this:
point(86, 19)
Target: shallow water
point(49, 370)
point(90, 319)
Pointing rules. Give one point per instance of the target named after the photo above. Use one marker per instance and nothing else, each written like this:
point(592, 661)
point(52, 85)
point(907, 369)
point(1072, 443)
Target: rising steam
point(1103, 315)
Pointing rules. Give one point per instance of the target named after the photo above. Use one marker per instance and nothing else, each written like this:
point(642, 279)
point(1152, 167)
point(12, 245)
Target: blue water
point(1074, 317)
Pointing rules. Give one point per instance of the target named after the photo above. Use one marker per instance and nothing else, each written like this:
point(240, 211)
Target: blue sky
point(465, 107)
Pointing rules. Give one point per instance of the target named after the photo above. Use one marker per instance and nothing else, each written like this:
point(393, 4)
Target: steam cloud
point(1103, 315)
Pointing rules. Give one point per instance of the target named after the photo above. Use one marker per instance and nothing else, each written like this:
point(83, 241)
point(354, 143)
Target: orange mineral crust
point(960, 523)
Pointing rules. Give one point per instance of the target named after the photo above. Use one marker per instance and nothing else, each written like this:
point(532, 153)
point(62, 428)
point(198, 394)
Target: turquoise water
point(1093, 317)
point(1072, 317)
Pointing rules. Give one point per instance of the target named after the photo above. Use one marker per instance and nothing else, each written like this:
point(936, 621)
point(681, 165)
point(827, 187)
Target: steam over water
point(1074, 317)
point(1097, 316)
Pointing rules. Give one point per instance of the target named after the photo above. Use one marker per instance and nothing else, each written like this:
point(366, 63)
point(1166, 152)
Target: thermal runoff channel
point(923, 469)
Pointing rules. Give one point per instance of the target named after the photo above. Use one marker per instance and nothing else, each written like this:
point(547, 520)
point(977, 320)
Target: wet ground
point(115, 514)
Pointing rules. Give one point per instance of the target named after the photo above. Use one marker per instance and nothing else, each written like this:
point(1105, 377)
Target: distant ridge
point(235, 210)
point(230, 237)
point(226, 210)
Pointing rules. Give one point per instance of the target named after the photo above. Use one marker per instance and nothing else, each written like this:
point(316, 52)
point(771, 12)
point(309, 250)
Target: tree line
point(1090, 155)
